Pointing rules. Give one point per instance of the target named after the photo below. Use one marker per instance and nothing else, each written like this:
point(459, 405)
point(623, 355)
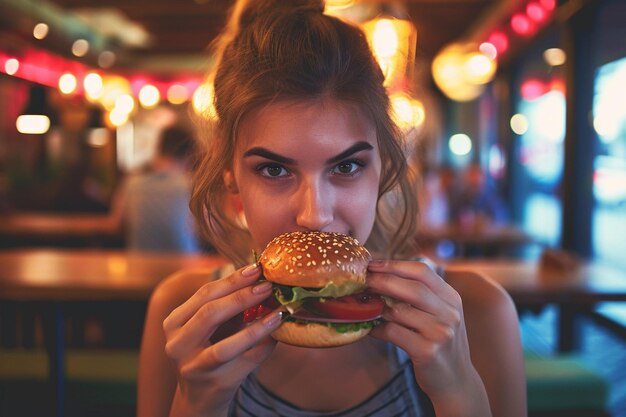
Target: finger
point(230, 373)
point(413, 343)
point(431, 327)
point(408, 269)
point(210, 291)
point(414, 271)
point(199, 328)
point(407, 291)
point(234, 346)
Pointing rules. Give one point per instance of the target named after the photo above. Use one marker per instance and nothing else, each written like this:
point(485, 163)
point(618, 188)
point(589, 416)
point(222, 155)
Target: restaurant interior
point(516, 108)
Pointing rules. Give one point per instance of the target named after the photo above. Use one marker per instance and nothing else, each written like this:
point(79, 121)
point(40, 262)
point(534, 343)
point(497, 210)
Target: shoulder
point(488, 309)
point(479, 293)
point(179, 287)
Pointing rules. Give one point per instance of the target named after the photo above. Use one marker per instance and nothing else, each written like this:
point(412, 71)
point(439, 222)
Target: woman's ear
point(229, 182)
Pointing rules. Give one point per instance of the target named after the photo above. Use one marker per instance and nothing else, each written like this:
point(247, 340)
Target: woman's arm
point(157, 374)
point(494, 339)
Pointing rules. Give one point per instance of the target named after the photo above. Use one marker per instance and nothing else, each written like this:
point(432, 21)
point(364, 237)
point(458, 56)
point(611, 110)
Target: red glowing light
point(557, 84)
point(521, 25)
point(500, 41)
point(535, 12)
point(45, 68)
point(532, 89)
point(548, 5)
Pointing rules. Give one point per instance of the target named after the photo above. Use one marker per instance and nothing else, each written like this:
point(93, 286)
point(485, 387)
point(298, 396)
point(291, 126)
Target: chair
point(98, 382)
point(564, 386)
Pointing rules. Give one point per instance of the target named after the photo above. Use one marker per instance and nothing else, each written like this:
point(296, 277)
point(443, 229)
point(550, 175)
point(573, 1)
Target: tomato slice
point(363, 306)
point(253, 313)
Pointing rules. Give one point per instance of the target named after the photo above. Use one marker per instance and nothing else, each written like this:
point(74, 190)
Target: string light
point(149, 96)
point(489, 50)
point(202, 101)
point(67, 83)
point(521, 25)
point(106, 59)
point(93, 86)
point(535, 12)
point(554, 57)
point(11, 66)
point(500, 41)
point(80, 47)
point(177, 94)
point(40, 31)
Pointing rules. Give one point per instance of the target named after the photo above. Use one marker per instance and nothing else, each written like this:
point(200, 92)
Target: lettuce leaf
point(288, 295)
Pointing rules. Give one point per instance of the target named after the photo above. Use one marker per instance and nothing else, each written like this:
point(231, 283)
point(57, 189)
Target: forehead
point(323, 122)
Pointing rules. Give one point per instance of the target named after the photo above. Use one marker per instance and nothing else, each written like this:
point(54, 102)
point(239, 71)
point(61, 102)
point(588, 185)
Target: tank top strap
point(399, 397)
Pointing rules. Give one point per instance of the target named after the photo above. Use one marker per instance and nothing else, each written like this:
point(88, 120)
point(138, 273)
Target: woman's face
point(311, 165)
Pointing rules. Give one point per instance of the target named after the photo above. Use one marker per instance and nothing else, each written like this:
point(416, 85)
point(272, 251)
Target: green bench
point(98, 383)
point(104, 382)
point(564, 386)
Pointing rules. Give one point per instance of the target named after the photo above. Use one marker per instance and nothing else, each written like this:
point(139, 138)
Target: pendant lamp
point(36, 116)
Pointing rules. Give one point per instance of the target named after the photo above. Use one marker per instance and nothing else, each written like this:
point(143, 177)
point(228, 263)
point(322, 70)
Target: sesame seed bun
point(312, 259)
point(315, 335)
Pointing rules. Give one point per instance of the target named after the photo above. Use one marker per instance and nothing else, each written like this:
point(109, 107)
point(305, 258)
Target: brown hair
point(290, 50)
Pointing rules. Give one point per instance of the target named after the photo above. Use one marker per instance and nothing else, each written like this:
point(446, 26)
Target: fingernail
point(272, 319)
point(250, 270)
point(265, 286)
point(376, 263)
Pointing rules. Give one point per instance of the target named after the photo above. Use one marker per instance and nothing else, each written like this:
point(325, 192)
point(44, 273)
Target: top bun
point(313, 259)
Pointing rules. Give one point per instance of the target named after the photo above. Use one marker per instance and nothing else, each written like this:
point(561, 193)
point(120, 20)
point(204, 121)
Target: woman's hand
point(427, 323)
point(209, 371)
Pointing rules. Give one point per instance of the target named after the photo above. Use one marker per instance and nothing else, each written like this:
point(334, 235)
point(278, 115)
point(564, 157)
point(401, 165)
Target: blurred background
point(516, 110)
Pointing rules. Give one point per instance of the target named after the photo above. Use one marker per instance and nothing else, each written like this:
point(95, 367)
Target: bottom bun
point(315, 335)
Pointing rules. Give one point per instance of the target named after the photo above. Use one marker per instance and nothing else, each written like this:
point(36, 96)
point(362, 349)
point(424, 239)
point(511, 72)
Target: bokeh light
point(11, 66)
point(149, 96)
point(40, 31)
point(80, 47)
point(67, 83)
point(460, 144)
point(519, 124)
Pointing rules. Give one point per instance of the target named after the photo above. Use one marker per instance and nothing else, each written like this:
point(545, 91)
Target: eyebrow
point(357, 147)
point(266, 153)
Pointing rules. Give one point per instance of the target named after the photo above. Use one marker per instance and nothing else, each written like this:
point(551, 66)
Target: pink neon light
point(535, 12)
point(500, 41)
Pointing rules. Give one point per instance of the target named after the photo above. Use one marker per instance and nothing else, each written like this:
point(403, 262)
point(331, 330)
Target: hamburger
point(320, 278)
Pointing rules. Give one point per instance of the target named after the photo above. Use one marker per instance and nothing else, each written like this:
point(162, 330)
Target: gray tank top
point(399, 397)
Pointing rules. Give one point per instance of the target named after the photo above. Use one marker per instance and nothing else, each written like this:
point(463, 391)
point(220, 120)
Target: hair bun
point(249, 10)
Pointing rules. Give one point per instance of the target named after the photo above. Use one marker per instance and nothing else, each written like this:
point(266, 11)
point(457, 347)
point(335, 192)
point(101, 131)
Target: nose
point(314, 204)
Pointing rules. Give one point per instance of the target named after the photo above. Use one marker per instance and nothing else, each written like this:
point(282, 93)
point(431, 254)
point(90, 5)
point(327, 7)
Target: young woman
point(304, 141)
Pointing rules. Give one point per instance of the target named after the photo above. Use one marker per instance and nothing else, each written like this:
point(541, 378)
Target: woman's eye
point(347, 167)
point(272, 171)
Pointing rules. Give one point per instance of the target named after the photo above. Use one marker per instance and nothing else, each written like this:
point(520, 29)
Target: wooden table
point(74, 229)
point(55, 277)
point(64, 275)
point(572, 290)
point(487, 240)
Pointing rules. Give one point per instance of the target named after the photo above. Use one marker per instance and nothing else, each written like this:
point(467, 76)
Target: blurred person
point(474, 204)
point(153, 205)
point(434, 196)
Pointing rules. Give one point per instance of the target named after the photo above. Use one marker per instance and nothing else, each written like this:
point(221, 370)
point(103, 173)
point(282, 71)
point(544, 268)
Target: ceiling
point(170, 34)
